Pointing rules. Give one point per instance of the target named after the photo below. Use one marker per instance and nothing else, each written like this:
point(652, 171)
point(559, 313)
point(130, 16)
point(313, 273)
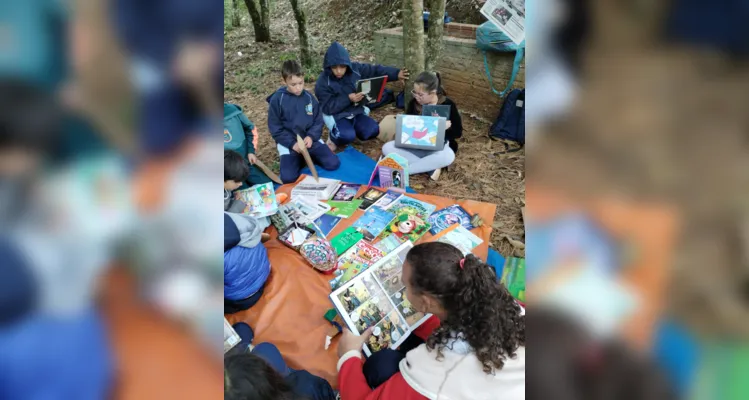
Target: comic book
point(353, 261)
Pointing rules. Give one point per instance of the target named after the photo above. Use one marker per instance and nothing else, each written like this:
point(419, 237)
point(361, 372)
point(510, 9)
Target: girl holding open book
point(472, 348)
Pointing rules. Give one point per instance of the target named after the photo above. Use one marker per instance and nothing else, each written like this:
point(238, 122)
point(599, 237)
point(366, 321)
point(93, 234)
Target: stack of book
point(318, 190)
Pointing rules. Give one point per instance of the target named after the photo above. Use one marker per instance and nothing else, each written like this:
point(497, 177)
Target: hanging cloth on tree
point(490, 38)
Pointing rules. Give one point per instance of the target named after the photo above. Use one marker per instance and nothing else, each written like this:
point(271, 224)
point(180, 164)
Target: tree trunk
point(234, 14)
point(301, 25)
point(413, 41)
point(260, 19)
point(434, 36)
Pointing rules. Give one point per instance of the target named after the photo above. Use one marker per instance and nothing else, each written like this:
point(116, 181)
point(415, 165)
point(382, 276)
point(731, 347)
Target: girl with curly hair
point(472, 348)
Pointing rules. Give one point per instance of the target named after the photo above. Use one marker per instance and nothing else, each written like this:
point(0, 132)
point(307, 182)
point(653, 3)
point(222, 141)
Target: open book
point(376, 297)
point(372, 88)
point(260, 200)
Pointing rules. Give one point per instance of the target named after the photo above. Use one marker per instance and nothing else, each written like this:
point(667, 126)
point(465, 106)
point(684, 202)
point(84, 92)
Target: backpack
point(491, 38)
point(510, 123)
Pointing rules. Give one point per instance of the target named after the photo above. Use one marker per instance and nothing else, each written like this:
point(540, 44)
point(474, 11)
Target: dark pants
point(257, 177)
point(382, 365)
point(361, 126)
point(235, 306)
point(293, 162)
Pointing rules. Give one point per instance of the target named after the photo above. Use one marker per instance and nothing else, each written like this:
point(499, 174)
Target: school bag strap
point(519, 54)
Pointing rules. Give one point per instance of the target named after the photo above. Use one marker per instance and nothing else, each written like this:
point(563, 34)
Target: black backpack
point(510, 123)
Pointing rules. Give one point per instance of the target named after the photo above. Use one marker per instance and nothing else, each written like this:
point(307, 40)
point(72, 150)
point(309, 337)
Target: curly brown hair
point(479, 309)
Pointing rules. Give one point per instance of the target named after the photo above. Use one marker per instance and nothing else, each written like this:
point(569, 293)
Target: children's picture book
point(436, 110)
point(513, 277)
point(324, 224)
point(389, 243)
point(373, 222)
point(346, 192)
point(411, 219)
point(370, 197)
point(420, 132)
point(449, 216)
point(343, 209)
point(392, 170)
point(388, 199)
point(309, 209)
point(231, 338)
point(353, 261)
point(459, 237)
point(295, 235)
point(344, 240)
point(372, 88)
point(321, 189)
point(260, 200)
point(375, 298)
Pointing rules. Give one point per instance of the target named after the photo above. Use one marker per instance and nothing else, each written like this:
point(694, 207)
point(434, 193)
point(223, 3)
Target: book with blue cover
point(373, 222)
point(449, 216)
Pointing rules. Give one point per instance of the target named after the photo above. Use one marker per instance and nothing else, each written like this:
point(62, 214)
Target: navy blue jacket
point(333, 92)
point(290, 115)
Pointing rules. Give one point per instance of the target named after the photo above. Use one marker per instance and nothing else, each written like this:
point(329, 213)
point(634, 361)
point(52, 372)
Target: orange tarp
point(295, 299)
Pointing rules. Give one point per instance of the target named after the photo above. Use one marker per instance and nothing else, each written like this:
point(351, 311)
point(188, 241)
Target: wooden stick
point(268, 172)
point(307, 158)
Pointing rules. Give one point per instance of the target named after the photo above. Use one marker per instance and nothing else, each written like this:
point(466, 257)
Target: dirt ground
point(252, 73)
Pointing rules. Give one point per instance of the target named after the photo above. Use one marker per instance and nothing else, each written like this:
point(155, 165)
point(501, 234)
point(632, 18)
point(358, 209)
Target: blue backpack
point(510, 123)
point(491, 38)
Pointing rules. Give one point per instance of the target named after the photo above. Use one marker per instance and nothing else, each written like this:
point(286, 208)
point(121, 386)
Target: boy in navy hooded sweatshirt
point(336, 90)
point(294, 111)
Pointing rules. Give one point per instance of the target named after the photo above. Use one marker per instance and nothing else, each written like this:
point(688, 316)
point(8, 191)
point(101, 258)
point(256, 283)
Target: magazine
point(436, 110)
point(260, 200)
point(373, 222)
point(507, 15)
point(459, 237)
point(287, 214)
point(346, 192)
point(370, 197)
point(353, 261)
point(448, 217)
point(376, 298)
point(343, 209)
point(372, 88)
point(231, 338)
point(309, 209)
point(321, 189)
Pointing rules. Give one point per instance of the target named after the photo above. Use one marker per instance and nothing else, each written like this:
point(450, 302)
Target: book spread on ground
point(449, 216)
point(459, 237)
point(346, 192)
point(372, 88)
point(309, 209)
point(344, 240)
point(343, 209)
point(376, 298)
point(260, 200)
point(353, 261)
point(370, 197)
point(373, 222)
point(231, 338)
point(388, 200)
point(318, 190)
point(513, 277)
point(410, 221)
point(324, 224)
point(436, 110)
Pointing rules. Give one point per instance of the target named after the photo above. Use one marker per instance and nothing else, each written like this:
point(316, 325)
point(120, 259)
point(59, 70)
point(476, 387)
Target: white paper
point(507, 15)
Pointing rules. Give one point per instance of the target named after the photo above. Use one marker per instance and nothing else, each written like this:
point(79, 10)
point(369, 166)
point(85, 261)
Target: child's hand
point(349, 341)
point(308, 142)
point(296, 148)
point(252, 158)
point(356, 97)
point(448, 124)
point(403, 74)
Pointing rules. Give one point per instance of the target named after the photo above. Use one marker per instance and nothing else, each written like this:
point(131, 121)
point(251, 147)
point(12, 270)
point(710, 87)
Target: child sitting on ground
point(427, 91)
point(294, 111)
point(240, 135)
point(474, 344)
point(236, 171)
point(246, 264)
point(336, 90)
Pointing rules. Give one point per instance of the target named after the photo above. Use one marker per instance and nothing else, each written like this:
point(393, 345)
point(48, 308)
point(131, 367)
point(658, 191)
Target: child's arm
point(315, 131)
point(281, 135)
point(374, 70)
point(331, 102)
point(250, 133)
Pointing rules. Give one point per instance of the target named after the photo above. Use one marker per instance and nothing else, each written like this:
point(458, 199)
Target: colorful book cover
point(389, 243)
point(513, 277)
point(346, 192)
point(459, 237)
point(344, 240)
point(436, 110)
point(260, 200)
point(409, 205)
point(388, 199)
point(370, 197)
point(353, 261)
point(406, 226)
point(344, 209)
point(448, 216)
point(325, 224)
point(373, 222)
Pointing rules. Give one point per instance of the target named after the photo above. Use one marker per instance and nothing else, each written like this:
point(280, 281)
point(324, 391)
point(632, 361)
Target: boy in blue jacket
point(336, 90)
point(294, 111)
